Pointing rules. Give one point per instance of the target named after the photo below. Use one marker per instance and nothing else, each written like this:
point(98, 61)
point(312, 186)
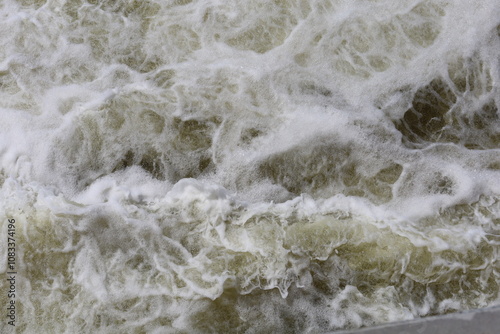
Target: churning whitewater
point(225, 166)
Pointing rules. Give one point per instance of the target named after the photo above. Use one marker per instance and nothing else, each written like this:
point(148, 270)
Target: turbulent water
point(230, 166)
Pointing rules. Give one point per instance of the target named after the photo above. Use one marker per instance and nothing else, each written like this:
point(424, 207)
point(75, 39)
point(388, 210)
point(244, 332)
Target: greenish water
point(247, 167)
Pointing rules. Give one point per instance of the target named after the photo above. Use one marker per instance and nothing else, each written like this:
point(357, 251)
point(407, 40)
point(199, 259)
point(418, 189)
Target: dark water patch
point(324, 170)
point(461, 110)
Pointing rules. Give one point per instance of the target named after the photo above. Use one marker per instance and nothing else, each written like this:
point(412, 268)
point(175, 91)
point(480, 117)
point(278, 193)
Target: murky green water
point(248, 167)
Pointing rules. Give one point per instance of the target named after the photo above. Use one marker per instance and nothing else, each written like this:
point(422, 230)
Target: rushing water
point(219, 166)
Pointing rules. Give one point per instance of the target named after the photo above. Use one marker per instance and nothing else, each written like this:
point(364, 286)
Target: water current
point(230, 166)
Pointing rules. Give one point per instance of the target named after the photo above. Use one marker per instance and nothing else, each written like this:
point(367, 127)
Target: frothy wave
point(213, 166)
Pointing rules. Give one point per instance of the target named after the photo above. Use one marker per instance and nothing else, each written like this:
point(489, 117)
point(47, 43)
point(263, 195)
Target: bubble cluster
point(277, 166)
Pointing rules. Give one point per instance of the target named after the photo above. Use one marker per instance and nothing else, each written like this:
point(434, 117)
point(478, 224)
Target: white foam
point(249, 163)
